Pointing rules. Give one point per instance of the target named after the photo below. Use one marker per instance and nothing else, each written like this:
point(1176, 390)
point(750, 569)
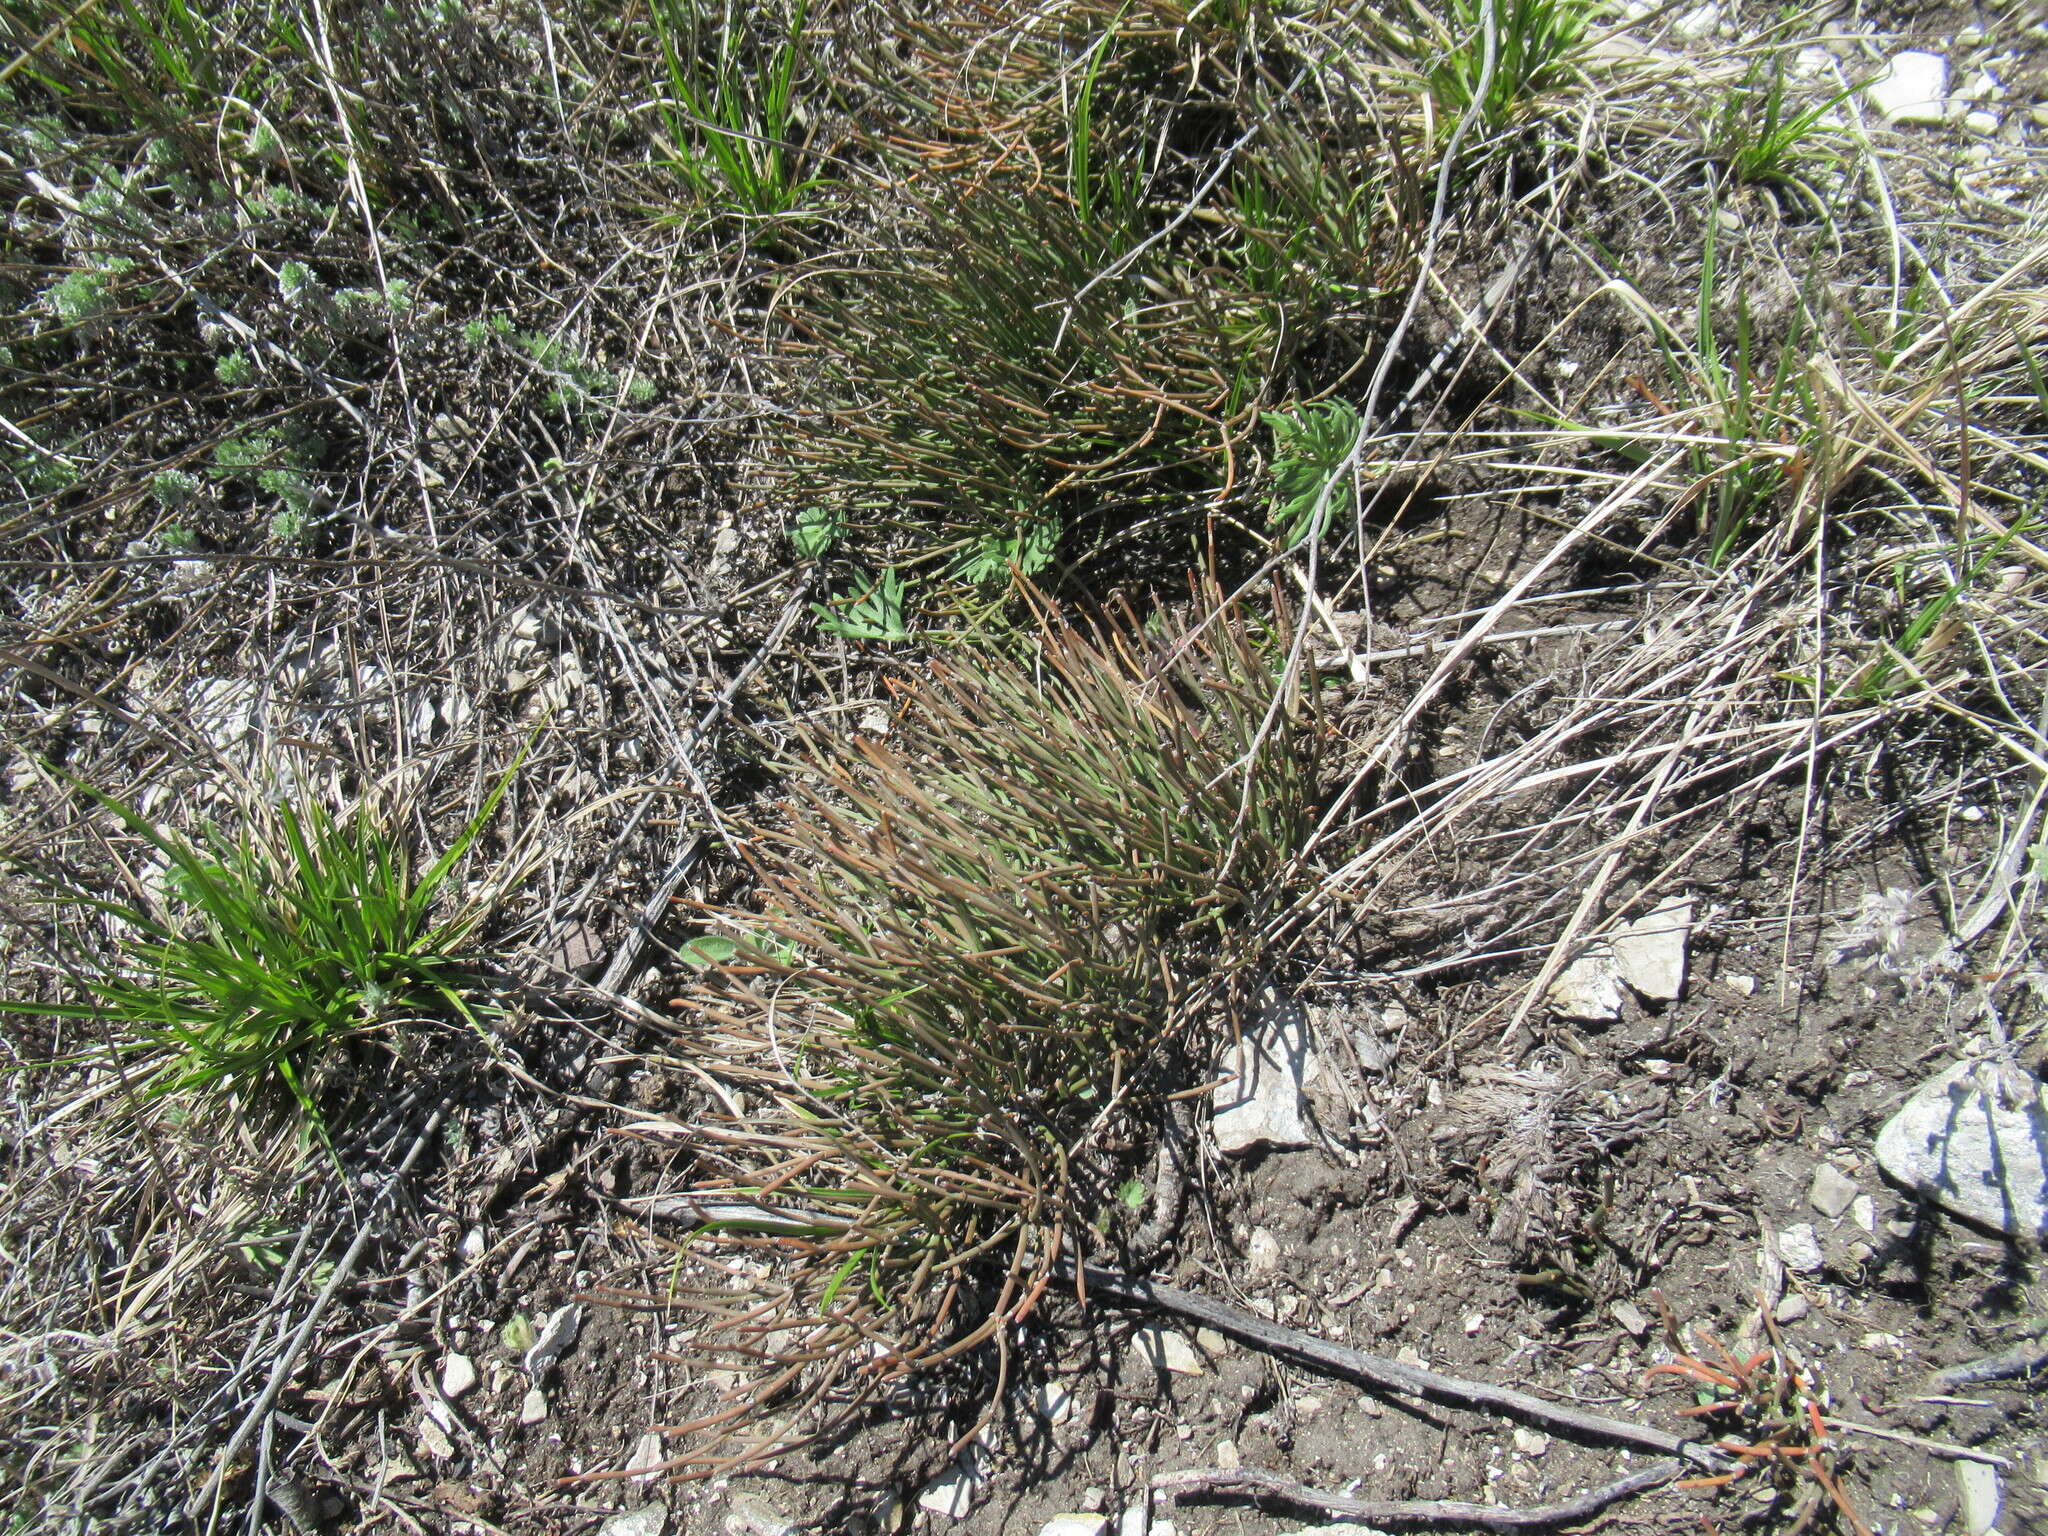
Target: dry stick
point(281, 1372)
point(1348, 1364)
point(2023, 1361)
point(1270, 1488)
point(1941, 1448)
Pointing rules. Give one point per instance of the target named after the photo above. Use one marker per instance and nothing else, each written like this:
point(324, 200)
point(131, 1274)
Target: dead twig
point(205, 1504)
point(1328, 1359)
point(2023, 1361)
point(1269, 1488)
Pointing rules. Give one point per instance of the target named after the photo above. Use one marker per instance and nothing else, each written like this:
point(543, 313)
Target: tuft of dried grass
point(987, 947)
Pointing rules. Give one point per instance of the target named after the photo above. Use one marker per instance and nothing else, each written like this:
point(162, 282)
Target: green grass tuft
point(267, 952)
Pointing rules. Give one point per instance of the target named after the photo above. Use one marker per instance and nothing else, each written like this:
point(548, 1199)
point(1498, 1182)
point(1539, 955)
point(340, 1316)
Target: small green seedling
point(1312, 467)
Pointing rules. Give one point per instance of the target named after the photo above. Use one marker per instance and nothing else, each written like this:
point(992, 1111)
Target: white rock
point(1701, 21)
point(1974, 1140)
point(647, 1520)
point(1630, 1316)
point(1052, 1402)
point(1832, 1191)
point(1650, 952)
point(1165, 1349)
point(1912, 88)
point(1812, 60)
point(1261, 1103)
point(1262, 1253)
point(1742, 986)
point(1135, 1519)
point(1863, 1211)
point(1226, 1455)
point(458, 1375)
point(1980, 122)
point(648, 1453)
point(1075, 1525)
point(472, 1245)
point(533, 1407)
point(1977, 1489)
point(749, 1516)
point(556, 1335)
point(1589, 989)
point(1529, 1442)
point(1799, 1247)
point(435, 1442)
point(223, 710)
point(953, 1492)
point(1790, 1308)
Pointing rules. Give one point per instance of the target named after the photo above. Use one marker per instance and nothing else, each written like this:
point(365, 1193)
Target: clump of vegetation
point(980, 944)
point(1500, 58)
point(260, 956)
point(1091, 289)
point(1760, 135)
point(734, 122)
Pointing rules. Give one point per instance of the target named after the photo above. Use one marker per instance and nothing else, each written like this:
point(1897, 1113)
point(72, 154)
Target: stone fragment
point(1982, 123)
point(647, 1520)
point(1702, 21)
point(1165, 1349)
point(1978, 1492)
point(435, 1442)
point(1052, 1402)
point(1226, 1455)
point(750, 1516)
point(1912, 88)
point(458, 1375)
point(1790, 1308)
point(1650, 952)
point(1589, 989)
point(472, 1245)
point(952, 1493)
point(1075, 1525)
point(555, 1337)
point(1863, 1211)
point(1974, 1139)
point(1832, 1191)
point(1260, 1102)
point(1136, 1519)
point(1262, 1253)
point(1630, 1316)
point(647, 1454)
point(533, 1407)
point(1799, 1247)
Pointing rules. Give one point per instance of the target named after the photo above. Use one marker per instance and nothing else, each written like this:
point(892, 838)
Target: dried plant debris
point(1532, 1135)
